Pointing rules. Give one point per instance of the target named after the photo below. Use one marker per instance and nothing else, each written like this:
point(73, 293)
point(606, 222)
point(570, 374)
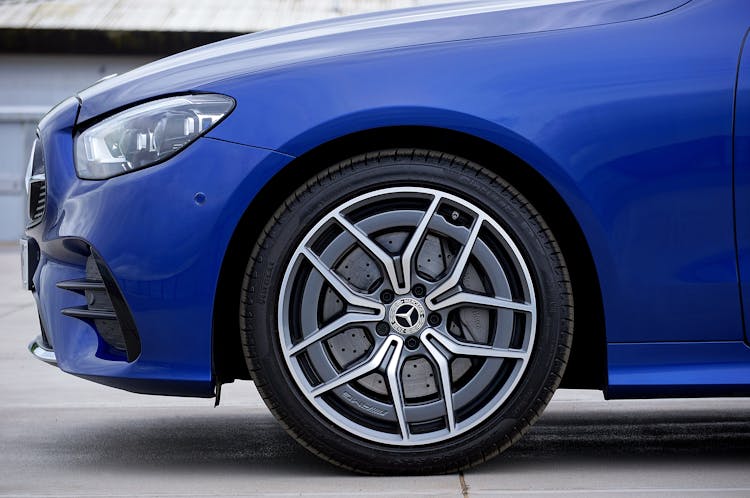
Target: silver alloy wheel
point(407, 316)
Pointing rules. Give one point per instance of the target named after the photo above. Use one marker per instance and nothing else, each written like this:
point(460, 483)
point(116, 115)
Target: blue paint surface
point(625, 108)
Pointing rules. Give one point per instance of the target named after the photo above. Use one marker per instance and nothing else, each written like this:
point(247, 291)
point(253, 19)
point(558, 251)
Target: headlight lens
point(146, 134)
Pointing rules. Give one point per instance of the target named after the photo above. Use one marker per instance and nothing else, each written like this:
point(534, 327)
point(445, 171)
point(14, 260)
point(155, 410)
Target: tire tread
point(531, 217)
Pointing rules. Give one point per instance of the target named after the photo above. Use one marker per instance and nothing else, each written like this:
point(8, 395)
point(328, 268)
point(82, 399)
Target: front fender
point(627, 135)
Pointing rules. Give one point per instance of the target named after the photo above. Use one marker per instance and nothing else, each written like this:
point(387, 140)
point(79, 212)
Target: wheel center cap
point(406, 315)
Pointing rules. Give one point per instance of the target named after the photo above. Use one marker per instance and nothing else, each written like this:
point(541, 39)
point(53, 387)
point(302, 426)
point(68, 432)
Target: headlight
point(146, 134)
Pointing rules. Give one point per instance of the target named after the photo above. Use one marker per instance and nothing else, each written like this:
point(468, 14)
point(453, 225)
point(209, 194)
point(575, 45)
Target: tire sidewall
point(271, 259)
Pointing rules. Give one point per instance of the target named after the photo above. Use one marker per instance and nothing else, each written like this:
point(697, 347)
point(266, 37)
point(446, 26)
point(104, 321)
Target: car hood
point(188, 71)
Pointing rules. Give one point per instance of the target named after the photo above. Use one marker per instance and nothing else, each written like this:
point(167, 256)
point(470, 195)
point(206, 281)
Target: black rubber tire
point(346, 180)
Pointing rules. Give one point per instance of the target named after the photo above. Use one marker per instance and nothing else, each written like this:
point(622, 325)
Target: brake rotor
point(353, 344)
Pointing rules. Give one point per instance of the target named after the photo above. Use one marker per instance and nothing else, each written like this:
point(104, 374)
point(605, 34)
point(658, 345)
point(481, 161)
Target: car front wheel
point(406, 312)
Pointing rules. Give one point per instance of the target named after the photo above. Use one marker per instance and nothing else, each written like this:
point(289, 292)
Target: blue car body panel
point(164, 249)
point(742, 178)
point(247, 55)
point(678, 369)
point(625, 108)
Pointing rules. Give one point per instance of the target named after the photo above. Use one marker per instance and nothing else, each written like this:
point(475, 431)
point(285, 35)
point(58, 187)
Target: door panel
point(742, 179)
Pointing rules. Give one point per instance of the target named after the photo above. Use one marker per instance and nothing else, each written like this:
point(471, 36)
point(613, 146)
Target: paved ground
point(63, 436)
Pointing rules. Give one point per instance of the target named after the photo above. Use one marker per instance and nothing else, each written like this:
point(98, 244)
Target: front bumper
point(163, 251)
point(41, 352)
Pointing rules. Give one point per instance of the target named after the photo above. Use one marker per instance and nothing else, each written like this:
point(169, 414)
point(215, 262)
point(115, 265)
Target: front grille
point(105, 309)
point(37, 200)
point(37, 184)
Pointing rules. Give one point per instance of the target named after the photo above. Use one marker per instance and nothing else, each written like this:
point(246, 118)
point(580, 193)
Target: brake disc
point(353, 344)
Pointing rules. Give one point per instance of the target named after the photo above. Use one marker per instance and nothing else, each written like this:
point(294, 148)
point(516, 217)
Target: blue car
point(409, 228)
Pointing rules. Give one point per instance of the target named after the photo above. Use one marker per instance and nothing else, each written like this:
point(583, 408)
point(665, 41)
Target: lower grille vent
point(105, 308)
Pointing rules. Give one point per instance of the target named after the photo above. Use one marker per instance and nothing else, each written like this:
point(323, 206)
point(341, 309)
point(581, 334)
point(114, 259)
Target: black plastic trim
point(81, 285)
point(101, 280)
point(122, 311)
point(89, 314)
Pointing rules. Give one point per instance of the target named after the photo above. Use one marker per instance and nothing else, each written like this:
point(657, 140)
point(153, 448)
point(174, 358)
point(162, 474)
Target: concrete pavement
point(63, 436)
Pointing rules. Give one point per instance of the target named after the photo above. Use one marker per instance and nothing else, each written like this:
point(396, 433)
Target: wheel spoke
point(373, 248)
point(360, 370)
point(397, 393)
point(459, 348)
point(362, 377)
point(458, 268)
point(469, 298)
point(445, 380)
point(416, 239)
point(331, 328)
point(339, 286)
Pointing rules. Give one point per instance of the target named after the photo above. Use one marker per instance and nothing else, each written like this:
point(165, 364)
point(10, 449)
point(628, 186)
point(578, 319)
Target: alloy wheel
point(407, 315)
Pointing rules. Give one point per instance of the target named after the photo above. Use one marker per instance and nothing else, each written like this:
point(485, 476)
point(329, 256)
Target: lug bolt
point(419, 290)
point(455, 215)
point(434, 319)
point(412, 342)
point(382, 328)
point(386, 296)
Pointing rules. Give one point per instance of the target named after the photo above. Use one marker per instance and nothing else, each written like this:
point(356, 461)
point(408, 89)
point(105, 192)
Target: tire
point(430, 364)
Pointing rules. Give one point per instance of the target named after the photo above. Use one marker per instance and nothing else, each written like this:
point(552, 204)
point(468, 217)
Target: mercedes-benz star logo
point(407, 315)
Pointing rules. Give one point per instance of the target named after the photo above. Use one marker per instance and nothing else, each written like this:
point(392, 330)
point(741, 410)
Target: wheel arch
point(587, 363)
